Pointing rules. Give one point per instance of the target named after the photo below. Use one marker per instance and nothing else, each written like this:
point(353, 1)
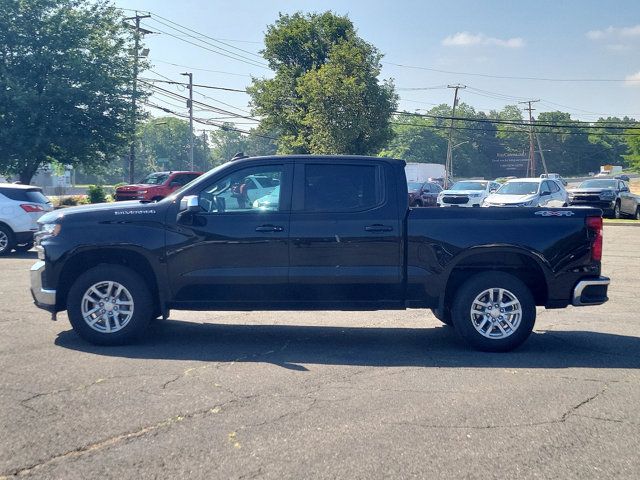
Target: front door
point(235, 250)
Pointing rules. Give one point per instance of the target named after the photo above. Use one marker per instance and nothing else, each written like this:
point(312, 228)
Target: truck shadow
point(294, 347)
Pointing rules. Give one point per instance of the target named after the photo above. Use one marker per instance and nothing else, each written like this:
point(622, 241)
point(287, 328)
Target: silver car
point(529, 192)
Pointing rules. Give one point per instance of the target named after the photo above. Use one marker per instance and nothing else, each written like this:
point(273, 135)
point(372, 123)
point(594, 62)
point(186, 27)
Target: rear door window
point(342, 188)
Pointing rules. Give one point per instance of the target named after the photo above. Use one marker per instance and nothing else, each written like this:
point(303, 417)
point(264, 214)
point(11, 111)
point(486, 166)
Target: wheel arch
point(522, 264)
point(84, 260)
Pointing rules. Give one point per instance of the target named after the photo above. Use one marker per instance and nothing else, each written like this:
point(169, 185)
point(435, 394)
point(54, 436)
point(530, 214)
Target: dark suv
point(612, 195)
point(423, 194)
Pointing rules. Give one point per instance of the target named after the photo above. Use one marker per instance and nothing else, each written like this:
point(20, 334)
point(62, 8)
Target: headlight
point(607, 194)
point(50, 229)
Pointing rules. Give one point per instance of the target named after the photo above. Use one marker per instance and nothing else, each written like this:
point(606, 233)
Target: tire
point(107, 330)
point(637, 215)
point(616, 211)
point(443, 315)
point(7, 240)
point(25, 247)
point(497, 336)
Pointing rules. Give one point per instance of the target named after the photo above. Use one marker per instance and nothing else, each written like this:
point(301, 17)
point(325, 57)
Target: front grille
point(586, 198)
point(455, 200)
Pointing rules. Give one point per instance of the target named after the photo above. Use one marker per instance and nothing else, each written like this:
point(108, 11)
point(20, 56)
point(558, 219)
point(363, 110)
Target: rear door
point(345, 233)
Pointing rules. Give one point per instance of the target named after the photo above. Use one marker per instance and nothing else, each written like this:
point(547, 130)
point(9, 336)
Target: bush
point(72, 200)
point(96, 194)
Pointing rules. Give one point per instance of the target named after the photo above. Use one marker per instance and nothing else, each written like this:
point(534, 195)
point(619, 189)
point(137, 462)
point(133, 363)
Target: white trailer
point(423, 172)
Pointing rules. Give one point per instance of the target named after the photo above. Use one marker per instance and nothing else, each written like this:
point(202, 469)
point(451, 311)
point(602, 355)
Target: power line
point(211, 48)
point(218, 49)
point(510, 77)
point(215, 109)
point(569, 124)
point(201, 69)
point(205, 36)
point(486, 130)
point(226, 89)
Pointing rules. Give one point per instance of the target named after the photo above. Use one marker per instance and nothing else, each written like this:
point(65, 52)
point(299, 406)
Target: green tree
point(65, 83)
point(325, 96)
point(633, 143)
point(164, 144)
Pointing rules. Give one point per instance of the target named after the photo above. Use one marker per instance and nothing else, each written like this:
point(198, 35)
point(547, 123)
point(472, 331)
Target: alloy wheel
point(496, 313)
point(107, 307)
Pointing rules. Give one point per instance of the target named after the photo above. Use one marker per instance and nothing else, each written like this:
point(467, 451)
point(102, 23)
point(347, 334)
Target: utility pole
point(531, 168)
point(132, 148)
point(205, 150)
point(449, 163)
point(544, 163)
point(190, 105)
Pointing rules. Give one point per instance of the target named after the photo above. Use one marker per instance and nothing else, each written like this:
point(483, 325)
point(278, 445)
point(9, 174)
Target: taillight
point(595, 224)
point(31, 208)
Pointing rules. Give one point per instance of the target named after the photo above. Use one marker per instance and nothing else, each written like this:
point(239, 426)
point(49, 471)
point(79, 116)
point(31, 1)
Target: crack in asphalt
point(123, 437)
point(563, 418)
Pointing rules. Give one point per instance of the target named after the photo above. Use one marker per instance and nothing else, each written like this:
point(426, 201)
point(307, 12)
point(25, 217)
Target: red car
point(423, 194)
point(155, 186)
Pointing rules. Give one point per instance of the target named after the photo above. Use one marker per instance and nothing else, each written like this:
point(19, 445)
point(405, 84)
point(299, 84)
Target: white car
point(529, 192)
point(467, 193)
point(20, 208)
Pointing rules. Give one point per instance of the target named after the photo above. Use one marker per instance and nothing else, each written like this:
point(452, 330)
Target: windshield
point(414, 185)
point(598, 184)
point(469, 186)
point(518, 188)
point(155, 179)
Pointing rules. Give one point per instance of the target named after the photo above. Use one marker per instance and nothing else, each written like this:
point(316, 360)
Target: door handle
point(378, 228)
point(269, 228)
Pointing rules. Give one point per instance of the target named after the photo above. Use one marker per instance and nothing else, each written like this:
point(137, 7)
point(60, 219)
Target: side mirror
point(493, 190)
point(190, 203)
point(624, 189)
point(545, 194)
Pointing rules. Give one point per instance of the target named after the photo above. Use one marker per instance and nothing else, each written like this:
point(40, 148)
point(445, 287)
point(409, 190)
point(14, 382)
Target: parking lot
point(324, 394)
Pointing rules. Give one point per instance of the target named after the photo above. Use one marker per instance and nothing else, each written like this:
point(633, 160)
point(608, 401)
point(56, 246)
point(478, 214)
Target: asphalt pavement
point(353, 395)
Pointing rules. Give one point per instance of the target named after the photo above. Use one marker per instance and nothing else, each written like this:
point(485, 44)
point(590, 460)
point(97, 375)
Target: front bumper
point(605, 205)
point(43, 298)
point(592, 291)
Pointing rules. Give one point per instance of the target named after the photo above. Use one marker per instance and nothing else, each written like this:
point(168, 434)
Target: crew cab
point(339, 236)
point(612, 195)
point(155, 186)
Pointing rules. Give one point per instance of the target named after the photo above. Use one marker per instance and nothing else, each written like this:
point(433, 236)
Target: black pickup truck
point(325, 233)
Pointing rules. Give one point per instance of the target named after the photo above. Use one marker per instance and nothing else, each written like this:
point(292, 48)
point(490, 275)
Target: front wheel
point(7, 240)
point(494, 312)
point(616, 211)
point(109, 305)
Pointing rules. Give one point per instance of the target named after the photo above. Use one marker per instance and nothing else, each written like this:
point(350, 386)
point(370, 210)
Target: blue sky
point(558, 40)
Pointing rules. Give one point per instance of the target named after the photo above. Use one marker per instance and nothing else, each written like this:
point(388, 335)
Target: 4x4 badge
point(555, 213)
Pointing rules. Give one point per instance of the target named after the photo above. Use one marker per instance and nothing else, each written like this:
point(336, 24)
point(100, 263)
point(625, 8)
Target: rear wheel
point(109, 305)
point(637, 215)
point(7, 240)
point(494, 312)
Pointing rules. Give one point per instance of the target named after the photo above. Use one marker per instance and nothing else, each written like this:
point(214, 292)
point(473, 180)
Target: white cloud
point(633, 79)
point(614, 32)
point(466, 39)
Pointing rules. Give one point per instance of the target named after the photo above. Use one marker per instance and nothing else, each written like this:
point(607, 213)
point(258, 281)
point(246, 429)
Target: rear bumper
point(43, 298)
point(591, 291)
